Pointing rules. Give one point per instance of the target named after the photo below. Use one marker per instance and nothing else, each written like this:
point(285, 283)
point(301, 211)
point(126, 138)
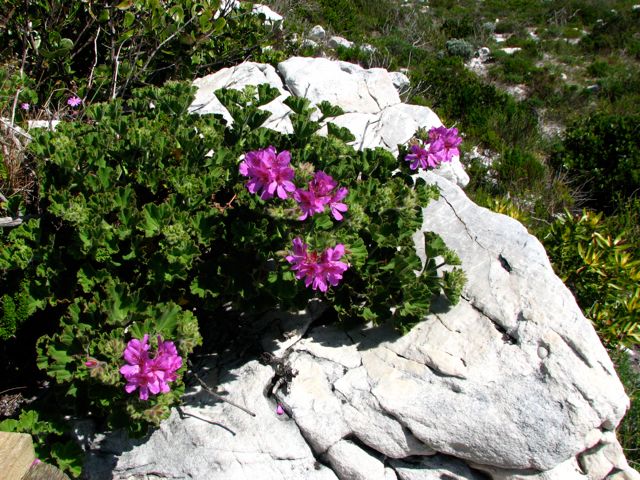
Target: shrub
point(602, 270)
point(518, 170)
point(99, 51)
point(603, 151)
point(459, 48)
point(147, 228)
point(612, 31)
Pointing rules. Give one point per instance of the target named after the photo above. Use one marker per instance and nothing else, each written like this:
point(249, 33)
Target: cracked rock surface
point(373, 111)
point(510, 384)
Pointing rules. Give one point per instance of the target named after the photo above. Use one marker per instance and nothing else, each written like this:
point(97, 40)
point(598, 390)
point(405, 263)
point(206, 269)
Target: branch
point(157, 49)
point(95, 60)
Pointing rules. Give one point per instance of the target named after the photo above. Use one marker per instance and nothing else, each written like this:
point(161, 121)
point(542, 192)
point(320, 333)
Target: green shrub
point(459, 27)
point(459, 48)
point(612, 31)
point(146, 227)
point(602, 270)
point(485, 114)
point(97, 51)
point(51, 440)
point(603, 151)
point(518, 170)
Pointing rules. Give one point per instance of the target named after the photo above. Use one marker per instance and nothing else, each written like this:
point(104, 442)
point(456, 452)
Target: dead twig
point(215, 395)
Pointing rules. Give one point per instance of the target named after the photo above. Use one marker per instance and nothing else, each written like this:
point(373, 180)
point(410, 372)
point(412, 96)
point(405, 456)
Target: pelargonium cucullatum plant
point(152, 221)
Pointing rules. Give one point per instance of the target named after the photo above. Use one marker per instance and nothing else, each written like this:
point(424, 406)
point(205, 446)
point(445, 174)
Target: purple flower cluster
point(150, 375)
point(318, 270)
point(442, 147)
point(322, 191)
point(270, 173)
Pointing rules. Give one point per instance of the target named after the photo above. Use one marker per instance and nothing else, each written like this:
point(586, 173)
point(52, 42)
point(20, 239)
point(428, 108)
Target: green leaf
point(298, 104)
point(129, 18)
point(218, 25)
point(124, 4)
point(69, 456)
point(168, 321)
point(9, 425)
point(329, 110)
point(341, 133)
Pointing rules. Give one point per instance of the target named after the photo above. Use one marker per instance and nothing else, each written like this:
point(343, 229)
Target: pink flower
point(442, 147)
point(150, 375)
point(25, 106)
point(268, 173)
point(321, 192)
point(450, 140)
point(336, 206)
point(91, 362)
point(279, 410)
point(318, 271)
point(74, 101)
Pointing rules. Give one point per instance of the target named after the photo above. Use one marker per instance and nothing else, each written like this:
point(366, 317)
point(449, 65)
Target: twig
point(95, 60)
point(13, 108)
point(10, 389)
point(115, 71)
point(215, 395)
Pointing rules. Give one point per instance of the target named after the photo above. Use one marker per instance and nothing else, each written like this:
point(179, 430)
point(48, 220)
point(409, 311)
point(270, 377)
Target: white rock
point(395, 126)
point(347, 85)
point(308, 43)
point(317, 33)
point(519, 92)
point(483, 53)
point(367, 48)
point(435, 468)
point(477, 66)
point(511, 50)
point(381, 119)
point(605, 457)
point(271, 17)
point(516, 351)
point(48, 124)
point(237, 78)
point(400, 81)
point(351, 462)
point(569, 470)
point(335, 42)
